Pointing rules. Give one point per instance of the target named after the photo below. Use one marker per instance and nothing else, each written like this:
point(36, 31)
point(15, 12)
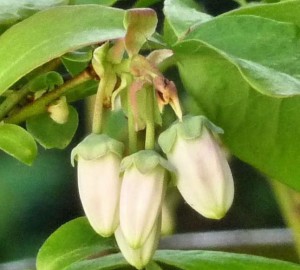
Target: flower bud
point(140, 257)
point(204, 178)
point(142, 192)
point(99, 158)
point(59, 111)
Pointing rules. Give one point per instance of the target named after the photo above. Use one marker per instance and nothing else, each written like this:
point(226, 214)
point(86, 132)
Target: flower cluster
point(122, 186)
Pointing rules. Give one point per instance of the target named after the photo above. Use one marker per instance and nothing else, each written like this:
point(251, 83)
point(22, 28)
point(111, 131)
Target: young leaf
point(51, 134)
point(46, 81)
point(51, 33)
point(181, 15)
point(72, 242)
point(140, 25)
point(211, 260)
point(266, 58)
point(18, 143)
point(260, 130)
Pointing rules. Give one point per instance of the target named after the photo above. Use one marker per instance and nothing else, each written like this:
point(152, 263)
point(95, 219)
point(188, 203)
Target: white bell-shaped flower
point(99, 158)
point(204, 177)
point(140, 257)
point(142, 193)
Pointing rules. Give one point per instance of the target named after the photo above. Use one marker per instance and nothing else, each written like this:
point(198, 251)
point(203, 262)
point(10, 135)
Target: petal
point(204, 177)
point(140, 257)
point(140, 203)
point(99, 189)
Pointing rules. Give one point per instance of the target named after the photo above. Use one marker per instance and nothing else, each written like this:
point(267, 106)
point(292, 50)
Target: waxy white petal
point(140, 257)
point(99, 188)
point(140, 203)
point(204, 177)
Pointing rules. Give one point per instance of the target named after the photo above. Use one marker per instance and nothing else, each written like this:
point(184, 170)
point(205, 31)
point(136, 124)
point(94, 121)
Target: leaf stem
point(150, 127)
point(289, 203)
point(98, 107)
point(16, 96)
point(40, 105)
point(132, 134)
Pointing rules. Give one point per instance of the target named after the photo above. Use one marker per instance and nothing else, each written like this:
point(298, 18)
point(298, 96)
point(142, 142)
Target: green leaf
point(285, 11)
point(182, 14)
point(72, 242)
point(51, 134)
point(145, 3)
point(46, 81)
point(109, 262)
point(51, 33)
point(260, 130)
point(74, 67)
point(212, 260)
point(77, 61)
point(267, 59)
point(12, 11)
point(96, 2)
point(18, 143)
point(82, 55)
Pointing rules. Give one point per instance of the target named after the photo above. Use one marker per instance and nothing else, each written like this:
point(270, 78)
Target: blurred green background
point(34, 201)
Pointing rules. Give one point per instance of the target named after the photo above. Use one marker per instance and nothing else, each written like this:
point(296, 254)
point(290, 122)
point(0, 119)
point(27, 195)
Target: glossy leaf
point(145, 3)
point(212, 260)
point(51, 134)
point(46, 81)
point(18, 143)
point(182, 14)
point(285, 11)
point(72, 242)
point(98, 2)
point(74, 67)
point(267, 59)
point(82, 55)
point(76, 61)
point(52, 33)
point(260, 130)
point(13, 11)
point(109, 262)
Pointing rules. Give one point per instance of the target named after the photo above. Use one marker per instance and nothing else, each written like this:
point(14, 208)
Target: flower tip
point(216, 214)
point(105, 232)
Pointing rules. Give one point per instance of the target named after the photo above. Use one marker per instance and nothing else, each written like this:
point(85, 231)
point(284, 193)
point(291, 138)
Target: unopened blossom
point(204, 178)
point(99, 158)
point(141, 256)
point(142, 193)
point(59, 111)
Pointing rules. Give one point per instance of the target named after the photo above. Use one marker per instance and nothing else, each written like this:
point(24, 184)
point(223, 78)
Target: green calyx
point(95, 146)
point(189, 128)
point(145, 161)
